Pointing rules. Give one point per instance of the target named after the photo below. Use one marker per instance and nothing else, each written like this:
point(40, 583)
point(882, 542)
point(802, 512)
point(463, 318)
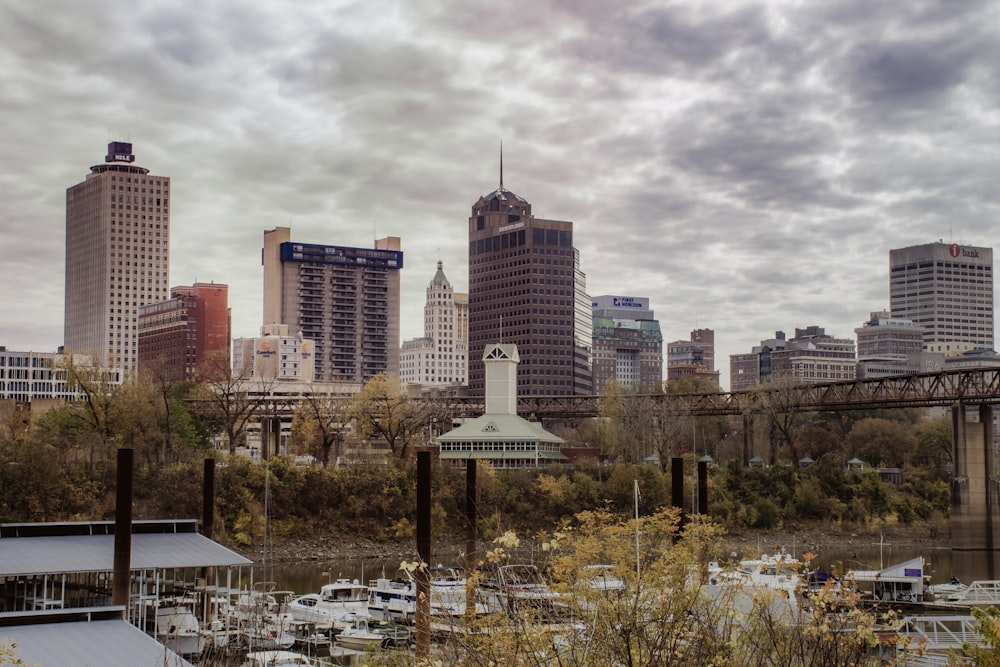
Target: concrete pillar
point(974, 524)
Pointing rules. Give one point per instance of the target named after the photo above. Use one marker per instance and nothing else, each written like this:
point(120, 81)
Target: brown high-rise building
point(526, 288)
point(117, 257)
point(345, 300)
point(188, 335)
point(694, 358)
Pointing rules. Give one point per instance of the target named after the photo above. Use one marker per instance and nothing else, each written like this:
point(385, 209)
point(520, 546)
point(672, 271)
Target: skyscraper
point(117, 256)
point(948, 290)
point(440, 358)
point(346, 300)
point(628, 344)
point(188, 334)
point(526, 288)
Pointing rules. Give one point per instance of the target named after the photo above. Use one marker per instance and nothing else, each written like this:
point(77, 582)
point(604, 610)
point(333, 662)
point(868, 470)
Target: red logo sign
point(954, 250)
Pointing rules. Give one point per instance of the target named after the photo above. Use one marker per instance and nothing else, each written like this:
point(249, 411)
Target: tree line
point(60, 465)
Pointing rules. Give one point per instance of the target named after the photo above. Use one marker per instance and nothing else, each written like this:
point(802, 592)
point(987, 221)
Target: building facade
point(627, 343)
point(440, 358)
point(526, 288)
point(811, 357)
point(117, 257)
point(889, 346)
point(188, 334)
point(345, 300)
point(27, 376)
point(693, 358)
point(947, 290)
point(274, 355)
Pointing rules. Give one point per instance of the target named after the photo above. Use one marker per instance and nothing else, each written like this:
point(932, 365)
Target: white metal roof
point(58, 554)
point(102, 641)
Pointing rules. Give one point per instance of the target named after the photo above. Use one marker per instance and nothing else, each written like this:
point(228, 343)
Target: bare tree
point(384, 411)
point(228, 399)
point(320, 421)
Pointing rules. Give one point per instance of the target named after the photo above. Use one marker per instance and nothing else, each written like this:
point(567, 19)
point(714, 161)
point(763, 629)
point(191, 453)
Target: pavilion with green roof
point(500, 436)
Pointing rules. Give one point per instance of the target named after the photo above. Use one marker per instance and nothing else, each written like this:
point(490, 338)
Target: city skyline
point(746, 166)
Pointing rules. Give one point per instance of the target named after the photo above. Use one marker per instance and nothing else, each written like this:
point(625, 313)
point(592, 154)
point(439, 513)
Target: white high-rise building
point(440, 358)
point(117, 257)
point(947, 289)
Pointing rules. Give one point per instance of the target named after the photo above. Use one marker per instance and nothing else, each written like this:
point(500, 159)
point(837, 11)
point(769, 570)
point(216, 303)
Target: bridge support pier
point(975, 525)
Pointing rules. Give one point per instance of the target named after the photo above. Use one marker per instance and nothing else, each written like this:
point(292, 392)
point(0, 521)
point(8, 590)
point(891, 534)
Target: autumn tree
point(320, 421)
point(881, 442)
point(933, 444)
point(385, 412)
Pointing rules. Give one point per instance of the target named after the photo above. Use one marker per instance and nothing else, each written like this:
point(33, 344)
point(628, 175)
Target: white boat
point(952, 590)
point(396, 598)
point(261, 618)
point(602, 578)
point(178, 629)
point(336, 604)
point(902, 582)
point(362, 635)
point(277, 659)
point(513, 588)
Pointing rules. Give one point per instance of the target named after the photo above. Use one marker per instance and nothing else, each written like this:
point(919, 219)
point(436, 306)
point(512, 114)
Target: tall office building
point(526, 288)
point(627, 343)
point(117, 257)
point(189, 334)
point(346, 300)
point(947, 289)
point(693, 358)
point(440, 358)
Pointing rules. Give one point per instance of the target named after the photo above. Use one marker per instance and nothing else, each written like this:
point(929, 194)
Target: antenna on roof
point(501, 165)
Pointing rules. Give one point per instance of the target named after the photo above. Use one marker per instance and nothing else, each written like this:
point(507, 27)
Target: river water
point(940, 563)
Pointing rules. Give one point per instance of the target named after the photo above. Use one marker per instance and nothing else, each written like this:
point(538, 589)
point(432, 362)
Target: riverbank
point(798, 539)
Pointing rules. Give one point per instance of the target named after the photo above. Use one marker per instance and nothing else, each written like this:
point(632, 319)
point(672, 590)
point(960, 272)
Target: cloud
point(746, 165)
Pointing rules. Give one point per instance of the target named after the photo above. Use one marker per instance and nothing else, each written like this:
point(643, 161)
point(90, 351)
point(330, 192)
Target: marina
point(200, 602)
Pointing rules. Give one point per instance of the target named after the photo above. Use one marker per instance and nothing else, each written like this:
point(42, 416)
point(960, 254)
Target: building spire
point(501, 165)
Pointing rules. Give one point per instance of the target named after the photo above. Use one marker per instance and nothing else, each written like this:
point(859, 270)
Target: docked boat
point(336, 604)
point(901, 582)
point(277, 659)
point(178, 629)
point(261, 618)
point(362, 635)
point(396, 598)
point(513, 588)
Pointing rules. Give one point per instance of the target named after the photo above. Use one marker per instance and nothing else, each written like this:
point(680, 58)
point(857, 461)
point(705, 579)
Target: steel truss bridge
point(973, 386)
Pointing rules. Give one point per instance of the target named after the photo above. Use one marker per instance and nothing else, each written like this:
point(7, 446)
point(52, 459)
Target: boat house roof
point(84, 638)
point(65, 548)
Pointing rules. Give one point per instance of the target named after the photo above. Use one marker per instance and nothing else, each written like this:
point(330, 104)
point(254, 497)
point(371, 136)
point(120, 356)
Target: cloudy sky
point(746, 165)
